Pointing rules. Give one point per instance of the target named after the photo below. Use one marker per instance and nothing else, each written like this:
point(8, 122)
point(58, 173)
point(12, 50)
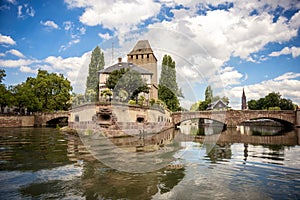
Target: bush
point(152, 101)
point(274, 108)
point(131, 102)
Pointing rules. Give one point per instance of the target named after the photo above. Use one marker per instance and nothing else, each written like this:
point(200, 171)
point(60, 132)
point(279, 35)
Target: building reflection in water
point(101, 181)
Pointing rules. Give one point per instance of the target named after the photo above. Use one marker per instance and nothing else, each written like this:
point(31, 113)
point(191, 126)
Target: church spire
point(244, 101)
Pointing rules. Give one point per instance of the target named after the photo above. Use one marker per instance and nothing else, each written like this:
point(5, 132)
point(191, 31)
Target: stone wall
point(16, 121)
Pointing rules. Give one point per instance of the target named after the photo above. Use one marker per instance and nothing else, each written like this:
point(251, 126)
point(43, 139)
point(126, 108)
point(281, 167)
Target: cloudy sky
point(229, 45)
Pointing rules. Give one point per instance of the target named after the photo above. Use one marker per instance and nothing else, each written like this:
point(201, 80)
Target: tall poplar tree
point(168, 90)
point(97, 63)
point(208, 94)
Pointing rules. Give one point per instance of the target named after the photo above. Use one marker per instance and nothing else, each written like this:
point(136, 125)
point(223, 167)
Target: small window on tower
point(142, 56)
point(136, 57)
point(131, 56)
point(147, 55)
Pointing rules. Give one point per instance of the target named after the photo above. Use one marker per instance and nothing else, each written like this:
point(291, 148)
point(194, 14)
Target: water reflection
point(44, 163)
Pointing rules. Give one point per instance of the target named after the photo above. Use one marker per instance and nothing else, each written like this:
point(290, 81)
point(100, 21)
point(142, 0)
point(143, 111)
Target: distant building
point(244, 101)
point(217, 105)
point(140, 59)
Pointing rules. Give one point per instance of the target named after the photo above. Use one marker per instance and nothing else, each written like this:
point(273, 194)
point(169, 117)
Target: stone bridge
point(232, 118)
point(41, 119)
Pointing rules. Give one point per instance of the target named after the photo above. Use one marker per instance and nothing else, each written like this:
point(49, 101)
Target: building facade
point(142, 60)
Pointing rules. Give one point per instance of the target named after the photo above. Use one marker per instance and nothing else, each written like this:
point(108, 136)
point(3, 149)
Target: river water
point(243, 163)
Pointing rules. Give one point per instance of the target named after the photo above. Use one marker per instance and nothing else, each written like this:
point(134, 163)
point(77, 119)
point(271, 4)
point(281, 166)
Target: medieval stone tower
point(143, 56)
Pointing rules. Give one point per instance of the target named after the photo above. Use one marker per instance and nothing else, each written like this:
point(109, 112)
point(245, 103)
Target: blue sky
point(230, 45)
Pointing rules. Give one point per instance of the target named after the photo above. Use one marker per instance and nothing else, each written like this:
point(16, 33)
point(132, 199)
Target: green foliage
point(2, 75)
point(208, 94)
point(77, 99)
point(91, 95)
point(274, 108)
point(152, 101)
point(46, 92)
point(128, 83)
point(168, 90)
point(131, 102)
point(96, 64)
point(272, 101)
point(209, 98)
point(114, 77)
point(195, 106)
point(169, 97)
point(141, 100)
point(203, 105)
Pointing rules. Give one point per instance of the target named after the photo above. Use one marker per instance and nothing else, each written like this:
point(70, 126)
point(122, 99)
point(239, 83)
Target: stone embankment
point(16, 121)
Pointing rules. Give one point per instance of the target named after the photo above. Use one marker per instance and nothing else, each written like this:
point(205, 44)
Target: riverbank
point(17, 121)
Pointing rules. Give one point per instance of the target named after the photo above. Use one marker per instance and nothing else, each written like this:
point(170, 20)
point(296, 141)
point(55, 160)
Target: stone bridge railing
point(233, 118)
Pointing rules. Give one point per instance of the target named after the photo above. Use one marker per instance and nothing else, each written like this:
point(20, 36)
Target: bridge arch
point(236, 117)
point(41, 119)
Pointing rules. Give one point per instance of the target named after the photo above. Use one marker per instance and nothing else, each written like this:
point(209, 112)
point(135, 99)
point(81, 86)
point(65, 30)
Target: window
point(147, 55)
point(137, 56)
point(142, 56)
point(76, 118)
point(131, 56)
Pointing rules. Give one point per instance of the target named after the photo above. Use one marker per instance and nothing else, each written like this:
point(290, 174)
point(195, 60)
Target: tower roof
point(141, 47)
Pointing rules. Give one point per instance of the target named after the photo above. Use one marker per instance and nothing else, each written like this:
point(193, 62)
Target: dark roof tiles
point(125, 65)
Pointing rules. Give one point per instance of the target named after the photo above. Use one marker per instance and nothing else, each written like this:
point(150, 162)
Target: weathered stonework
point(16, 121)
point(232, 118)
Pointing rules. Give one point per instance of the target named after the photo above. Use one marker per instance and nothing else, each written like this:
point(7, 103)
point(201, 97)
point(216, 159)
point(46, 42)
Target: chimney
point(119, 60)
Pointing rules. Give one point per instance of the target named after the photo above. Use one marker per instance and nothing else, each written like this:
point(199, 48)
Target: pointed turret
point(244, 101)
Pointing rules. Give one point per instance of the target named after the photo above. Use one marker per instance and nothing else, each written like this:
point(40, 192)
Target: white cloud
point(16, 53)
point(12, 1)
point(65, 47)
point(285, 84)
point(2, 54)
point(20, 11)
point(105, 36)
point(295, 51)
point(115, 15)
point(295, 20)
point(68, 25)
point(75, 69)
point(286, 76)
point(6, 40)
point(16, 63)
point(82, 30)
point(50, 24)
point(27, 69)
point(29, 11)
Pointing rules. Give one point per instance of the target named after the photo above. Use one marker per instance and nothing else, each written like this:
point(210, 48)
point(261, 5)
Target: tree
point(46, 92)
point(203, 105)
point(2, 75)
point(169, 97)
point(208, 94)
point(168, 84)
point(5, 94)
point(126, 84)
point(114, 77)
point(252, 104)
point(271, 101)
point(286, 104)
point(97, 63)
